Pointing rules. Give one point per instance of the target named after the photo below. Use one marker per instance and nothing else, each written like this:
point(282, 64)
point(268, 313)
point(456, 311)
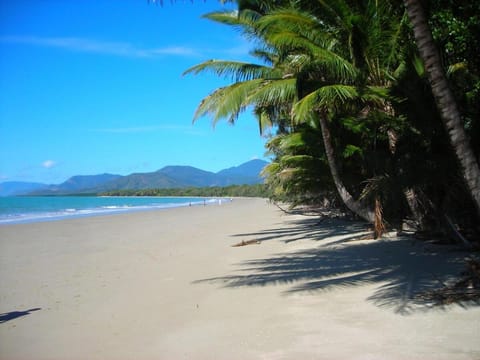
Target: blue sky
point(95, 86)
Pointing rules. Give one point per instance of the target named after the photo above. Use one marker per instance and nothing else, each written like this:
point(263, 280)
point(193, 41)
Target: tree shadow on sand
point(311, 228)
point(402, 268)
point(15, 314)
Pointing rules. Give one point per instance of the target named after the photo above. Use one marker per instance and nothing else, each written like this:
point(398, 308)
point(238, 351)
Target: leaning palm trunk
point(346, 197)
point(416, 209)
point(444, 99)
point(378, 226)
point(410, 194)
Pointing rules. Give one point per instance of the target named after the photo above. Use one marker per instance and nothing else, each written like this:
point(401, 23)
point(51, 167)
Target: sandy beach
point(169, 285)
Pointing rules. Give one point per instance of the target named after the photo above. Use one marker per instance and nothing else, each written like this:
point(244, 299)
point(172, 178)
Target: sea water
point(24, 209)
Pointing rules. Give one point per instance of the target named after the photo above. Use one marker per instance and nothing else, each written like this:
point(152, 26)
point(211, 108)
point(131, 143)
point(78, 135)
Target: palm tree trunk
point(444, 99)
point(346, 197)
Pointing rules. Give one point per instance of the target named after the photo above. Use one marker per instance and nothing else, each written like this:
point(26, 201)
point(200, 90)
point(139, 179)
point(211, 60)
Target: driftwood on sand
point(248, 242)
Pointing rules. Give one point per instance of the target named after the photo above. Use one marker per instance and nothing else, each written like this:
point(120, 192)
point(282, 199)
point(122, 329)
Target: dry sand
point(169, 285)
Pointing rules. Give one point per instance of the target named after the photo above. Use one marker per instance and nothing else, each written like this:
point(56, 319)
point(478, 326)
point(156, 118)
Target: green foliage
point(455, 27)
point(258, 190)
point(239, 71)
point(299, 173)
point(351, 150)
point(355, 65)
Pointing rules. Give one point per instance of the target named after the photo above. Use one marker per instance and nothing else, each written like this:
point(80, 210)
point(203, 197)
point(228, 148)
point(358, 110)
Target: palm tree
point(310, 63)
point(444, 99)
point(278, 86)
point(266, 87)
point(337, 77)
point(298, 173)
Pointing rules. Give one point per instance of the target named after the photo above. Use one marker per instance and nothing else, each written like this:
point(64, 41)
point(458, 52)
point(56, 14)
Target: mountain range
point(167, 177)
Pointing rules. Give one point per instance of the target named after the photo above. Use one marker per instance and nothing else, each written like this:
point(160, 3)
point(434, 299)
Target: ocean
point(24, 209)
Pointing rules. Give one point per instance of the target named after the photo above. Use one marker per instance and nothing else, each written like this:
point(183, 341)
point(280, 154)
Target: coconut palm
point(298, 173)
point(264, 86)
point(338, 79)
point(310, 64)
point(275, 87)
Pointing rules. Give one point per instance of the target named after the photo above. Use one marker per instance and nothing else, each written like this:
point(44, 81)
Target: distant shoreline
point(21, 210)
point(244, 190)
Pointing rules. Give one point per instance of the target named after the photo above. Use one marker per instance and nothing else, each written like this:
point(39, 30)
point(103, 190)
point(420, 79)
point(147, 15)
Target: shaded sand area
point(169, 285)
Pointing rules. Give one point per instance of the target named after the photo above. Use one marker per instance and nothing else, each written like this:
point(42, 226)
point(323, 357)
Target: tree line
point(371, 104)
point(257, 190)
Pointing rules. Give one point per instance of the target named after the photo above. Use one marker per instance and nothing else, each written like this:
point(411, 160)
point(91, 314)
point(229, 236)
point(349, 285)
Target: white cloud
point(100, 47)
point(129, 130)
point(149, 129)
point(48, 164)
point(174, 50)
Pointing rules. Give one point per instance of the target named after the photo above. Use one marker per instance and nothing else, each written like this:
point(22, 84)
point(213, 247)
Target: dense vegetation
point(258, 190)
point(359, 109)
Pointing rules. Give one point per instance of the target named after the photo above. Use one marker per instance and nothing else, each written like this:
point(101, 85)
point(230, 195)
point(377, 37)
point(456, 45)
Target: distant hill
point(165, 178)
point(12, 188)
point(190, 176)
point(139, 181)
point(78, 183)
point(247, 173)
point(250, 168)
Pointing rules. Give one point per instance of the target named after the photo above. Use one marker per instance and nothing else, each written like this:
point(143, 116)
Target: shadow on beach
point(402, 267)
point(312, 229)
point(15, 314)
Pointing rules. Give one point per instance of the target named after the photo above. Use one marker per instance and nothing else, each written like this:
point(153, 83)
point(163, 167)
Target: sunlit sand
point(171, 285)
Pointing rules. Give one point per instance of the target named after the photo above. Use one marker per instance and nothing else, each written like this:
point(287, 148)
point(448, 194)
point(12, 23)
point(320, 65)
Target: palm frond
point(273, 92)
point(295, 161)
point(304, 111)
point(243, 20)
point(291, 20)
point(325, 98)
point(351, 150)
point(294, 32)
point(238, 70)
point(226, 102)
point(336, 94)
point(333, 63)
point(338, 12)
point(270, 169)
point(453, 68)
point(268, 57)
point(224, 17)
point(264, 119)
point(292, 141)
point(375, 95)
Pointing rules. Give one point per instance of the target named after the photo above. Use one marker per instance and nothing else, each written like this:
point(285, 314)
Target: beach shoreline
point(171, 285)
point(31, 209)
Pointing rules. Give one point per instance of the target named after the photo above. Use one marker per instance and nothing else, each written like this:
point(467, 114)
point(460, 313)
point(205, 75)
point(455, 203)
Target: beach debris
point(467, 288)
point(248, 242)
